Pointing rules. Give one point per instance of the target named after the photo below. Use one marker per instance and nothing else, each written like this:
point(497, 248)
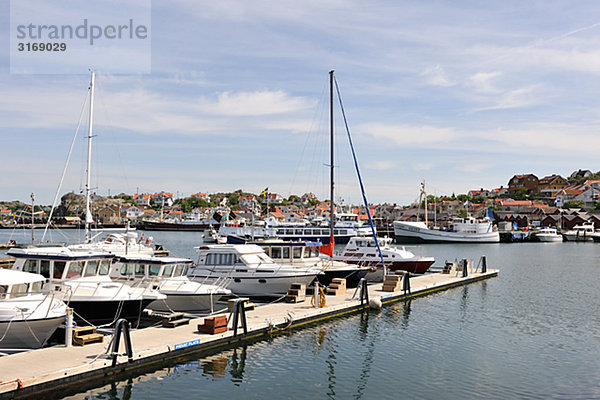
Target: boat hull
point(167, 226)
point(189, 303)
point(102, 312)
point(352, 276)
point(260, 285)
point(572, 237)
point(17, 334)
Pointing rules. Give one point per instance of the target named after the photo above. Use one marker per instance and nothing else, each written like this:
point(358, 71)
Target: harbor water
point(531, 333)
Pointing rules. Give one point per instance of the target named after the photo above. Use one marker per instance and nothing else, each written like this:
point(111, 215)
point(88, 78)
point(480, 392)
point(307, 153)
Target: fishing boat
point(580, 233)
point(251, 271)
point(548, 234)
point(28, 316)
point(168, 275)
point(363, 251)
point(307, 254)
point(81, 279)
point(119, 244)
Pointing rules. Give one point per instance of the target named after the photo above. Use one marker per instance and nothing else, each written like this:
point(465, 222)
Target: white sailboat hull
point(414, 232)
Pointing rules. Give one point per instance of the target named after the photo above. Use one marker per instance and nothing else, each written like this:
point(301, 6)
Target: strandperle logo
point(90, 32)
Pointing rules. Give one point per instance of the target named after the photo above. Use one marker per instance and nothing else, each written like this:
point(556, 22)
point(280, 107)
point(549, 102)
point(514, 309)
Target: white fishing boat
point(28, 316)
point(81, 279)
point(462, 230)
point(548, 234)
point(307, 254)
point(580, 233)
point(363, 251)
point(168, 275)
point(251, 271)
point(120, 244)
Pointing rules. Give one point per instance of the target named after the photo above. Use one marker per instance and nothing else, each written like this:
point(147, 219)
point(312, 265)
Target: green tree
point(574, 204)
point(462, 213)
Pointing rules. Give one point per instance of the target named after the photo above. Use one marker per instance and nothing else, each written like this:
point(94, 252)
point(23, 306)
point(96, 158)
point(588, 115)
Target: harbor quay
point(55, 370)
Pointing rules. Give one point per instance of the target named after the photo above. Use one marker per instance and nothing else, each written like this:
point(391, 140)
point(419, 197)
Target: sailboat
point(80, 275)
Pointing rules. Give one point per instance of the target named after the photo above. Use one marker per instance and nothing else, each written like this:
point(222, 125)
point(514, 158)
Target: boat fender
point(375, 303)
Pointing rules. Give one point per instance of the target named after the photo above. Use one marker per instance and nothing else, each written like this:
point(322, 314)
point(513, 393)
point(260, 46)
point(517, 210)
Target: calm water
point(531, 333)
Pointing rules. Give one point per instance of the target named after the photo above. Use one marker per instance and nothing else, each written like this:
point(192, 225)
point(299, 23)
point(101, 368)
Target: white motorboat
point(120, 244)
point(168, 275)
point(363, 251)
point(548, 234)
point(81, 279)
point(28, 316)
point(463, 230)
point(580, 233)
point(306, 254)
point(251, 271)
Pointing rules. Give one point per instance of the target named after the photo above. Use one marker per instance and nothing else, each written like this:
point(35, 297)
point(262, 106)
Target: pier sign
point(187, 344)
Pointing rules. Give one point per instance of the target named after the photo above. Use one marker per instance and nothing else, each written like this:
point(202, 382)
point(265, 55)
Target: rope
point(322, 301)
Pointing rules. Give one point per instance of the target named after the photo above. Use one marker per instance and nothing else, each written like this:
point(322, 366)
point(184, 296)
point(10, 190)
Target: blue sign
point(187, 344)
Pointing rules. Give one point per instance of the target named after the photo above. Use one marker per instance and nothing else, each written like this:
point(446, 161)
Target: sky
point(459, 94)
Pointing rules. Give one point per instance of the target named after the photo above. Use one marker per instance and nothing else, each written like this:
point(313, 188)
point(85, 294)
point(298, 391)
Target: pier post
point(406, 282)
point(465, 264)
point(69, 327)
point(239, 313)
point(122, 326)
point(483, 265)
point(364, 291)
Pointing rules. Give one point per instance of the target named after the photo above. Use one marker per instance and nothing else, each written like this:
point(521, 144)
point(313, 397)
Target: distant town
point(526, 201)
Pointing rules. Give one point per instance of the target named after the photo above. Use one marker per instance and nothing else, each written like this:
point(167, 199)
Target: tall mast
point(331, 215)
point(88, 214)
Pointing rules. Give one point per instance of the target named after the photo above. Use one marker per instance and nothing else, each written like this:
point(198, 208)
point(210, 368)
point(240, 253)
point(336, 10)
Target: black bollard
point(122, 326)
point(406, 282)
point(464, 268)
point(483, 265)
point(239, 314)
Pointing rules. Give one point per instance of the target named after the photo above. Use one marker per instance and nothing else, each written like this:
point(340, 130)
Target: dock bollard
point(483, 265)
point(122, 326)
point(69, 327)
point(406, 282)
point(239, 313)
point(465, 265)
point(364, 291)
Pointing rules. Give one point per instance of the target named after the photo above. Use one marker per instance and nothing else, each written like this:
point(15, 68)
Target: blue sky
point(461, 94)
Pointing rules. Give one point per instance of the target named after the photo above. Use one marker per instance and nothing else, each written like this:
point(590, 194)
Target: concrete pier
point(50, 370)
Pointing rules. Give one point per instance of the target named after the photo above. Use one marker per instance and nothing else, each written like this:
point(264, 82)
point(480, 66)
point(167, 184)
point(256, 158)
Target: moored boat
point(548, 234)
point(251, 271)
point(28, 316)
point(463, 230)
point(168, 275)
point(580, 233)
point(363, 251)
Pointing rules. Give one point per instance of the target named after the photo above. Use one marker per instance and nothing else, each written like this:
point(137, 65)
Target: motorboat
point(580, 233)
point(168, 275)
point(28, 316)
point(307, 254)
point(462, 230)
point(251, 271)
point(120, 244)
point(363, 251)
point(548, 234)
point(81, 279)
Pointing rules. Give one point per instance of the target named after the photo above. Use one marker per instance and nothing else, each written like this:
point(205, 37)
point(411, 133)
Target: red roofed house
point(583, 192)
point(141, 199)
point(162, 199)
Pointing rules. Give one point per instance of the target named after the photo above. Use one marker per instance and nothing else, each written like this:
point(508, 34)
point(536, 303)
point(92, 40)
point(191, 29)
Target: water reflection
point(238, 364)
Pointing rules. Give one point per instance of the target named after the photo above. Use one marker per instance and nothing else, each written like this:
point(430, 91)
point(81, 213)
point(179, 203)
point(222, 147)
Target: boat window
point(336, 231)
point(178, 270)
point(104, 267)
point(18, 290)
point(289, 232)
point(276, 252)
point(279, 232)
point(127, 269)
point(298, 232)
point(286, 252)
point(314, 251)
point(168, 271)
point(3, 291)
point(297, 252)
point(185, 270)
point(45, 268)
point(140, 270)
point(31, 266)
point(153, 270)
point(36, 287)
point(91, 267)
point(59, 268)
point(75, 269)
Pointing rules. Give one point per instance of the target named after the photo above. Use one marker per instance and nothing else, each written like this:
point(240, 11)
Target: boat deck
point(58, 368)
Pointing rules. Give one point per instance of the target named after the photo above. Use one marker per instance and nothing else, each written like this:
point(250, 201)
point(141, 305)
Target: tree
point(574, 204)
point(463, 213)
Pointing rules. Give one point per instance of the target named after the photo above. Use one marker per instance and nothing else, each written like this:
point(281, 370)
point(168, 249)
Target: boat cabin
point(283, 252)
point(60, 264)
point(16, 284)
point(150, 267)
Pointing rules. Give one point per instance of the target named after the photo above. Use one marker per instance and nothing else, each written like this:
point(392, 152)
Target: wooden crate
point(247, 305)
point(85, 335)
point(214, 325)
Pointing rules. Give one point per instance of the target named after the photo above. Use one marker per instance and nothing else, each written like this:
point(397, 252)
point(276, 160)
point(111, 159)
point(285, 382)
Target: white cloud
point(410, 134)
point(436, 76)
point(255, 103)
point(382, 165)
point(482, 82)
